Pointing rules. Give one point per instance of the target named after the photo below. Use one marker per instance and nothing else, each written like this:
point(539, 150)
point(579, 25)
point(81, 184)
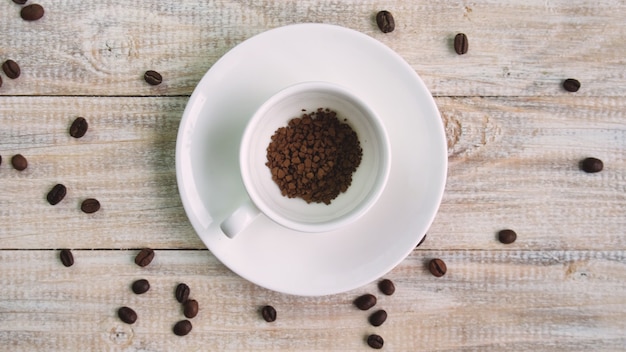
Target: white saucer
point(207, 165)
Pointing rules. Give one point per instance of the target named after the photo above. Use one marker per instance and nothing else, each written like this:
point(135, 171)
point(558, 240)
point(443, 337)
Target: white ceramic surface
point(207, 162)
point(368, 181)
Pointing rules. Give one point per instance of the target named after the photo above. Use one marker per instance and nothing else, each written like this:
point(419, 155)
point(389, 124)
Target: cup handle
point(238, 220)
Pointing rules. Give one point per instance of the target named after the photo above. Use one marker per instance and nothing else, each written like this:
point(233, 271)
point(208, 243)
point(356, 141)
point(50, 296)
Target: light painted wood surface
point(496, 300)
point(515, 138)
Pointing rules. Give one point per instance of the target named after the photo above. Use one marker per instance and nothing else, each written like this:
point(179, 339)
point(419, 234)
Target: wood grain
point(515, 48)
point(488, 301)
point(513, 164)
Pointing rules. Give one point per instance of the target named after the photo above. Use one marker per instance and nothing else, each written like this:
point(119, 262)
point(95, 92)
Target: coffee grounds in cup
point(314, 156)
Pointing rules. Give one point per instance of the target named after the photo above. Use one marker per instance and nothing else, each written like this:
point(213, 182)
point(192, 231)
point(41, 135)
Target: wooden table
point(515, 139)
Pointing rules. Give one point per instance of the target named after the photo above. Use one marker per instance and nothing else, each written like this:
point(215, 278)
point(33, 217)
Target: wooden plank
point(513, 164)
point(516, 48)
point(488, 301)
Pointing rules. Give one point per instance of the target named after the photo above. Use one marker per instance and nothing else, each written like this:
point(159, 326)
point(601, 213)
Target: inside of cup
point(368, 179)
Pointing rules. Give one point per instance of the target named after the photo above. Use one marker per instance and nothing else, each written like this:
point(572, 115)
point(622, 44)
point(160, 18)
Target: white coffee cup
point(265, 197)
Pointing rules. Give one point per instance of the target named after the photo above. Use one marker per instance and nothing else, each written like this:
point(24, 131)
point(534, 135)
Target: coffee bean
point(144, 257)
point(421, 241)
point(56, 194)
point(190, 308)
point(437, 267)
point(127, 315)
point(141, 286)
point(461, 44)
point(182, 328)
point(365, 301)
point(153, 78)
point(507, 236)
point(375, 341)
point(571, 85)
point(20, 2)
point(0, 81)
point(79, 127)
point(90, 205)
point(0, 159)
point(387, 287)
point(182, 292)
point(11, 69)
point(385, 21)
point(268, 313)
point(591, 165)
point(32, 12)
point(378, 317)
point(19, 162)
point(66, 257)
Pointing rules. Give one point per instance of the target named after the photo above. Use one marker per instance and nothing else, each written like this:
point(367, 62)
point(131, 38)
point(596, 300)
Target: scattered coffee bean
point(507, 236)
point(461, 44)
point(0, 159)
point(365, 301)
point(385, 21)
point(141, 286)
point(182, 292)
point(153, 78)
point(127, 315)
point(378, 317)
point(571, 85)
point(32, 12)
point(387, 287)
point(56, 194)
point(90, 205)
point(20, 2)
point(421, 241)
point(375, 341)
point(591, 165)
point(190, 308)
point(144, 257)
point(19, 162)
point(182, 328)
point(66, 257)
point(11, 69)
point(0, 81)
point(79, 127)
point(437, 267)
point(268, 313)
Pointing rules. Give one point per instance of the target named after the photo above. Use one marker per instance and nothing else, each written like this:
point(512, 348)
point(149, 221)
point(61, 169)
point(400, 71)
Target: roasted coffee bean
point(385, 21)
point(387, 287)
point(461, 44)
point(375, 341)
point(182, 292)
point(127, 315)
point(591, 165)
point(268, 313)
point(11, 69)
point(437, 267)
point(571, 85)
point(182, 328)
point(141, 286)
point(153, 78)
point(507, 236)
point(56, 194)
point(32, 12)
point(20, 2)
point(190, 308)
point(0, 81)
point(421, 241)
point(66, 257)
point(79, 127)
point(144, 257)
point(0, 159)
point(19, 162)
point(378, 317)
point(365, 301)
point(90, 205)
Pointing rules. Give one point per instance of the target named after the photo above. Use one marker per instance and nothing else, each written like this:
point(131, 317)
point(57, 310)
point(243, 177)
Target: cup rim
point(356, 212)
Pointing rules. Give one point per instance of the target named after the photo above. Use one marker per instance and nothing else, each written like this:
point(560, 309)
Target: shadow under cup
point(368, 180)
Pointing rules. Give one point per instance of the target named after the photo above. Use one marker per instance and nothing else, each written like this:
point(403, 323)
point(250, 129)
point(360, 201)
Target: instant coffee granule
point(314, 156)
